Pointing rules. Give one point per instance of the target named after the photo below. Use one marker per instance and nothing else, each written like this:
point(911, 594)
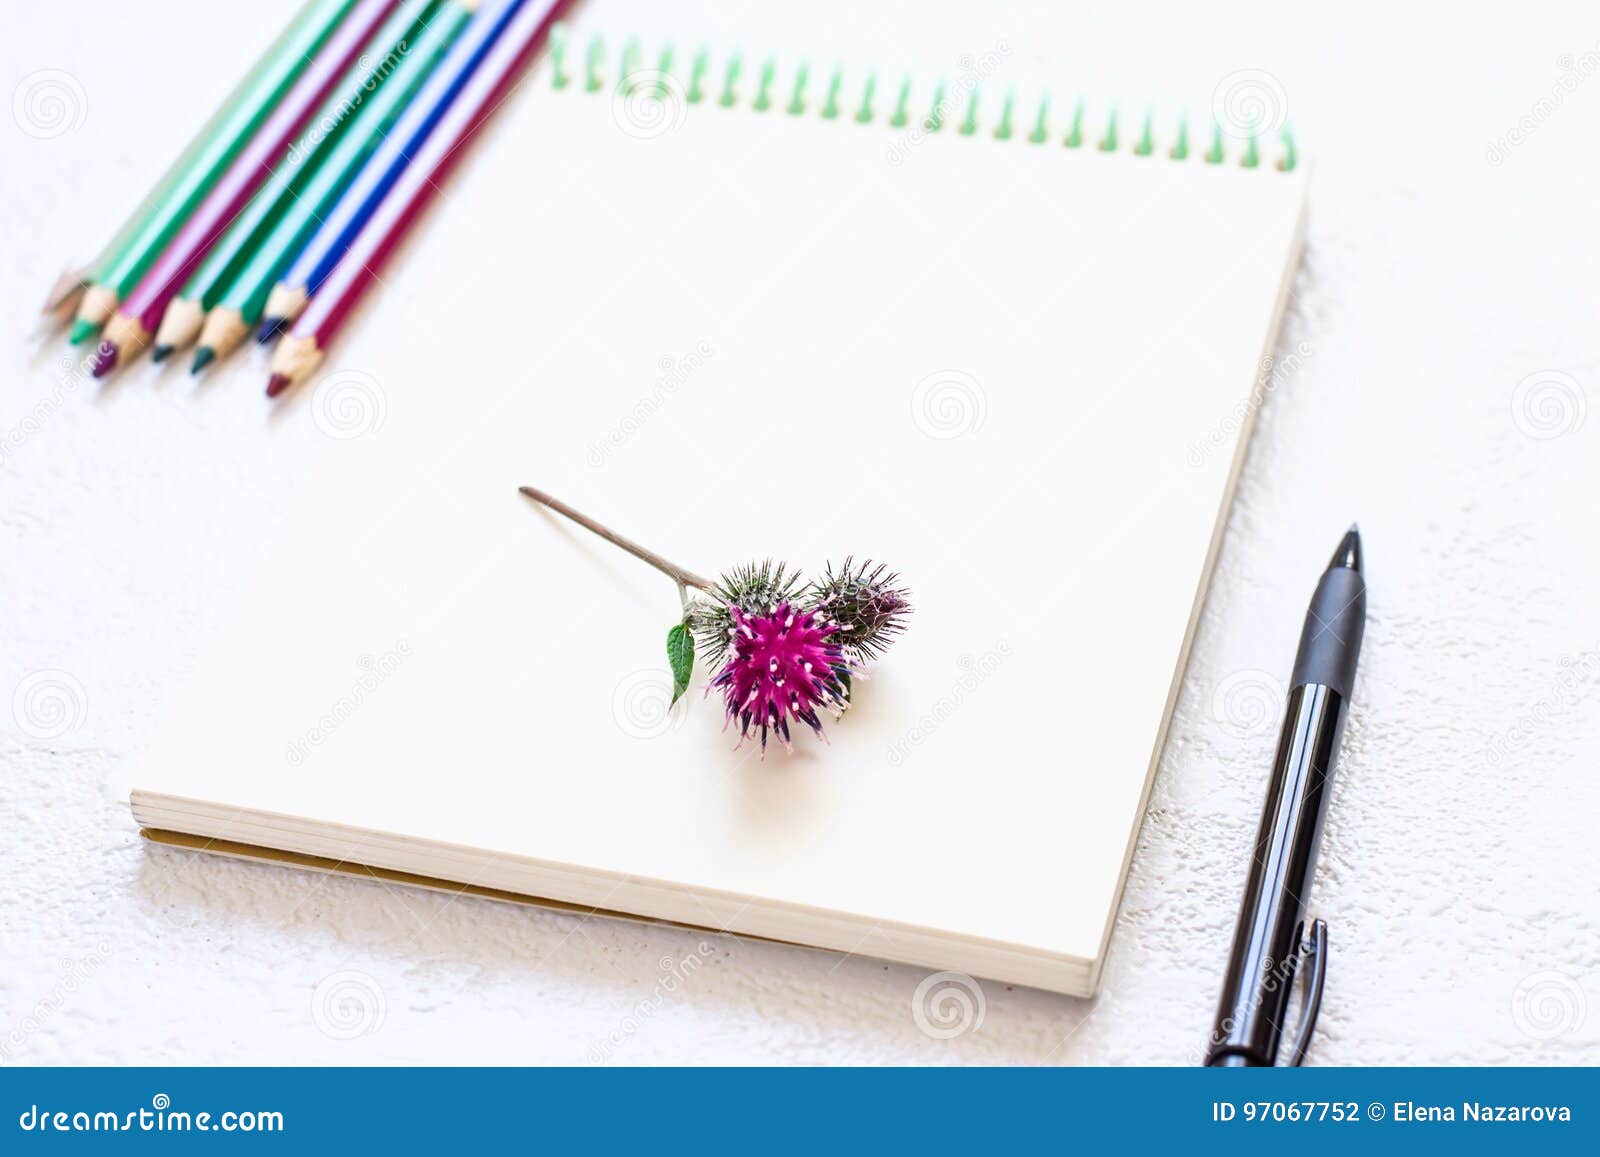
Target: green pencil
point(243, 302)
point(156, 221)
point(380, 58)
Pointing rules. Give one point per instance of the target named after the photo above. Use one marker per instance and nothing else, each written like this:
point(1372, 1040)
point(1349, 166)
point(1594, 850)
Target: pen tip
point(1349, 552)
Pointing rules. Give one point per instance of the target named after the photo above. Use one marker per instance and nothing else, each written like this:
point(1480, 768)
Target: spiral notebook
point(736, 311)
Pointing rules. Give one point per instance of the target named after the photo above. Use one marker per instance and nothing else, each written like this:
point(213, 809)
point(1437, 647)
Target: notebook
point(736, 311)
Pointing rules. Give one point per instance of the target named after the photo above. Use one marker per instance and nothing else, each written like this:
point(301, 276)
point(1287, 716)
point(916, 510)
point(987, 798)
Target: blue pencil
point(334, 236)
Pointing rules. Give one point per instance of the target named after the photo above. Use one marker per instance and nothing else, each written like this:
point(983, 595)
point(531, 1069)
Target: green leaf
point(680, 653)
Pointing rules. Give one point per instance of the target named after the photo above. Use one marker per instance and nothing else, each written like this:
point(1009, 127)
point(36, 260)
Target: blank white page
point(1014, 372)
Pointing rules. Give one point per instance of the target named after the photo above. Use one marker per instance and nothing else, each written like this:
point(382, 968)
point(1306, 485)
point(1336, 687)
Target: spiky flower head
point(756, 588)
point(784, 666)
point(865, 602)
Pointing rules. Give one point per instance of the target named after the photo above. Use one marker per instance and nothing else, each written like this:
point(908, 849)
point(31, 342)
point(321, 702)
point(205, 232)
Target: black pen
point(1271, 936)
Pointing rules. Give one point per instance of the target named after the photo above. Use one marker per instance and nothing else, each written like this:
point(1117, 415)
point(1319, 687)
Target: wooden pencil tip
point(82, 331)
point(105, 360)
point(203, 357)
point(276, 384)
point(270, 328)
point(160, 353)
point(65, 293)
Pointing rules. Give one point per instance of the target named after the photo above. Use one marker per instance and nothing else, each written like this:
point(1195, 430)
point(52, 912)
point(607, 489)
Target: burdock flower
point(781, 666)
point(867, 604)
point(785, 651)
point(756, 588)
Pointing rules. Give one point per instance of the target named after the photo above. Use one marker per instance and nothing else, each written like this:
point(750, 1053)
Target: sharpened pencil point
point(276, 384)
point(105, 360)
point(160, 353)
point(203, 357)
point(82, 331)
point(270, 328)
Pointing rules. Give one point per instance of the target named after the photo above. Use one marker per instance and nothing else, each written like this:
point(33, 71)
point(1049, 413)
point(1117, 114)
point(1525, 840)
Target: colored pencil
point(334, 236)
point(300, 353)
point(152, 226)
point(130, 328)
point(242, 303)
point(180, 325)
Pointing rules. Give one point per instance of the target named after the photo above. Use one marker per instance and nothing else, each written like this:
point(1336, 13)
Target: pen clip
point(1316, 947)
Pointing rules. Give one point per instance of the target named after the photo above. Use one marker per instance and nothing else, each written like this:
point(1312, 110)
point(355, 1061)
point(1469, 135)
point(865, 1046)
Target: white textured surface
point(1459, 873)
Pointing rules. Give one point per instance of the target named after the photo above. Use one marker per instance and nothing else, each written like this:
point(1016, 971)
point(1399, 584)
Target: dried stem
point(672, 570)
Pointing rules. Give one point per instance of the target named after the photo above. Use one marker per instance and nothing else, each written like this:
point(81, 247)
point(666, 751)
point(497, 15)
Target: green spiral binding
point(797, 102)
point(592, 62)
point(697, 77)
point(1002, 131)
point(558, 56)
point(899, 119)
point(830, 106)
point(1147, 141)
point(969, 123)
point(864, 113)
point(764, 86)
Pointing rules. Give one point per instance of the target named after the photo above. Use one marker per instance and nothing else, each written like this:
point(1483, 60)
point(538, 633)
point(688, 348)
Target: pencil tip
point(276, 384)
point(82, 331)
point(270, 328)
point(203, 357)
point(105, 360)
point(160, 353)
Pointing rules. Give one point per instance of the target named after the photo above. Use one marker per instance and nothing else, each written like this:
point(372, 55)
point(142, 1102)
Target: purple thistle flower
point(780, 667)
